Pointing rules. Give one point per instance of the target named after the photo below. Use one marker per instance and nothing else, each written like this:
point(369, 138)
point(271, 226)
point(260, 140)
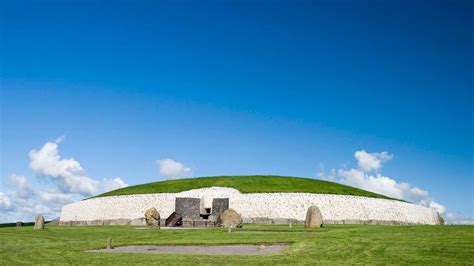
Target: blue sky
point(238, 87)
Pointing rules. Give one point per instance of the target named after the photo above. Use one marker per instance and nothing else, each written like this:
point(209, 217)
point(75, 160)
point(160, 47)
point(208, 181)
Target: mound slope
point(246, 184)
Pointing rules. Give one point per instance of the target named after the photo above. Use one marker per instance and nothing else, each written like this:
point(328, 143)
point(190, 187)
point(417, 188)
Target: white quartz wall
point(253, 205)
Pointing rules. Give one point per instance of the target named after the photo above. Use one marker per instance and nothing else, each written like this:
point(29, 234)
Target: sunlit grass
point(333, 244)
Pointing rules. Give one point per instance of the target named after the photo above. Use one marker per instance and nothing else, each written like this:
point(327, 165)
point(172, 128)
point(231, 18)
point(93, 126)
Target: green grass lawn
point(333, 244)
point(246, 184)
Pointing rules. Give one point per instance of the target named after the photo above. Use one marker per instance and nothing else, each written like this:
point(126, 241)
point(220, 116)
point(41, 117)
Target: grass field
point(333, 244)
point(246, 184)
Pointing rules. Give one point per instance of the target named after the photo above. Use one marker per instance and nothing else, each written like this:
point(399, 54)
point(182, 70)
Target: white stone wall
point(253, 205)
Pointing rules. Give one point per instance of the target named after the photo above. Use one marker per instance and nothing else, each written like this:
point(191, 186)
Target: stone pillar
point(314, 219)
point(39, 222)
point(188, 208)
point(219, 205)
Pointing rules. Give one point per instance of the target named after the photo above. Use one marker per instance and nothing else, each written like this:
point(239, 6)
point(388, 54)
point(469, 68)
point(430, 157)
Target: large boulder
point(314, 219)
point(152, 218)
point(230, 218)
point(39, 222)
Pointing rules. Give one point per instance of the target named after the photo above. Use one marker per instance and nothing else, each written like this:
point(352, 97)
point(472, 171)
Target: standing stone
point(230, 218)
point(39, 222)
point(188, 208)
point(19, 224)
point(219, 205)
point(314, 219)
point(152, 218)
point(109, 243)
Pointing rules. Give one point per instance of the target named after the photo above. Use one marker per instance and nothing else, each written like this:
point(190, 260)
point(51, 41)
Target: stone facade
point(268, 207)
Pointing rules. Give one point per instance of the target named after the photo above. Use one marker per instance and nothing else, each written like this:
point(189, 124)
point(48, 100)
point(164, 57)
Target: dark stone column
point(188, 207)
point(219, 205)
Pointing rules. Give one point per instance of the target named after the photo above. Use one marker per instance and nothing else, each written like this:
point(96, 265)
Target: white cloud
point(371, 161)
point(20, 184)
point(55, 200)
point(456, 218)
point(60, 139)
point(375, 183)
point(67, 173)
point(321, 174)
point(436, 206)
point(112, 184)
point(5, 202)
point(21, 202)
point(172, 169)
point(51, 196)
point(367, 176)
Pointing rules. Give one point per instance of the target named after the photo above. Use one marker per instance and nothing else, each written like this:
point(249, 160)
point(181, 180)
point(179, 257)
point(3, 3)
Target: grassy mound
point(246, 184)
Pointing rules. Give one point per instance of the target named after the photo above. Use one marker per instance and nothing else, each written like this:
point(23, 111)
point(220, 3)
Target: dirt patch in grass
point(200, 249)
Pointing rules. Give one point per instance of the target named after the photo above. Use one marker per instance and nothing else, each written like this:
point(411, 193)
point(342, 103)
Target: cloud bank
point(65, 181)
point(67, 173)
point(368, 176)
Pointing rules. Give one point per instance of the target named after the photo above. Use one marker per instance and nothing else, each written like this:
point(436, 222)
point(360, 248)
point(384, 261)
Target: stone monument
point(188, 208)
point(219, 205)
point(39, 222)
point(314, 219)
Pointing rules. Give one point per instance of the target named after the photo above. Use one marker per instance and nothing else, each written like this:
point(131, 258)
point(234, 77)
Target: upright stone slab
point(39, 222)
point(219, 205)
point(314, 219)
point(188, 208)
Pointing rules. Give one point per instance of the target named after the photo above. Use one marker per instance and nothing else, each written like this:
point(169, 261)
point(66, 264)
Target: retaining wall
point(254, 207)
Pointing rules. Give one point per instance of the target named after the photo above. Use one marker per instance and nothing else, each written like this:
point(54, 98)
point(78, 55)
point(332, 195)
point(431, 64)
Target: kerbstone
point(314, 219)
point(152, 218)
point(334, 208)
point(230, 218)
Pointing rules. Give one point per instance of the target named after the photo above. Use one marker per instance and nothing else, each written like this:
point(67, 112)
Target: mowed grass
point(333, 244)
point(246, 184)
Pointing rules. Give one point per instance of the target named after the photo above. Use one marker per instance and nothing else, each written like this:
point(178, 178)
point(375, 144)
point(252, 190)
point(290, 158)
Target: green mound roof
point(246, 184)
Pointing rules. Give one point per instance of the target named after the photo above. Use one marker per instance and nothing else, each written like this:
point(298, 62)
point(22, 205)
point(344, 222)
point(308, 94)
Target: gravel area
point(209, 250)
